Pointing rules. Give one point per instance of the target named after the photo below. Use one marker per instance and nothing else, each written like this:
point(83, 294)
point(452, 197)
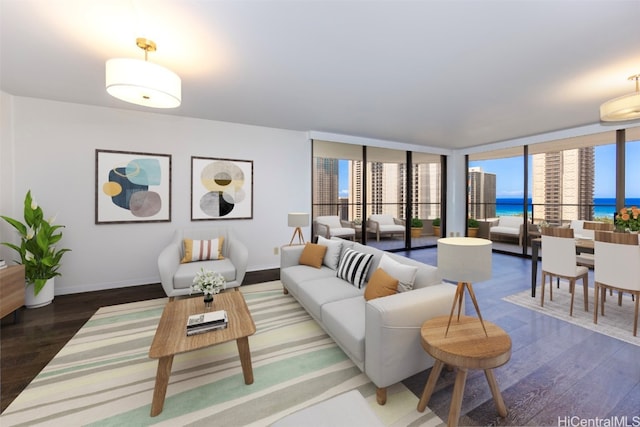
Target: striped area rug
point(104, 377)
point(617, 321)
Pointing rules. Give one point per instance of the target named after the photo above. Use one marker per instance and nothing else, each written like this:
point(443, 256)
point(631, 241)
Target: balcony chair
point(177, 273)
point(332, 226)
point(617, 256)
point(385, 225)
point(559, 260)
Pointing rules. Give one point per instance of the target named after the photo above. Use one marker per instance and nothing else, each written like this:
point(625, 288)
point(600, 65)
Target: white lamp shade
point(143, 83)
point(464, 259)
point(298, 219)
point(625, 107)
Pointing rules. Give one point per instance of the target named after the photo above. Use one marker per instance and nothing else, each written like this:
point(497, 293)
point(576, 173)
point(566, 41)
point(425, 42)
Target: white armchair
point(332, 226)
point(385, 225)
point(176, 277)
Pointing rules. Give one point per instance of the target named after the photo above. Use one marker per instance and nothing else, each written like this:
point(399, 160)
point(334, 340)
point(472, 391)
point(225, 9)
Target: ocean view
point(603, 207)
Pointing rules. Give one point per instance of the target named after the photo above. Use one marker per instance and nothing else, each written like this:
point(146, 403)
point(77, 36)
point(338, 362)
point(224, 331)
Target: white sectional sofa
point(381, 335)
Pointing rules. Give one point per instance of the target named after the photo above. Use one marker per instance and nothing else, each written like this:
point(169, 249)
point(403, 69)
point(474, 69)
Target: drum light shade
point(298, 219)
point(626, 107)
point(142, 82)
point(464, 259)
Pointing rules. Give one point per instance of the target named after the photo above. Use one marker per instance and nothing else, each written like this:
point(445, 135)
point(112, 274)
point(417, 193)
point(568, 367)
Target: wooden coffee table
point(465, 347)
point(171, 337)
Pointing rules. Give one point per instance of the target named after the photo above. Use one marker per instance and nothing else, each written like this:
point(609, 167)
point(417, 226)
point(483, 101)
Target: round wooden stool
point(465, 347)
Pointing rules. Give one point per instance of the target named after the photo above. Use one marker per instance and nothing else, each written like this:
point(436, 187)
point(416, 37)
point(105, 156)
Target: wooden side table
point(465, 347)
point(11, 290)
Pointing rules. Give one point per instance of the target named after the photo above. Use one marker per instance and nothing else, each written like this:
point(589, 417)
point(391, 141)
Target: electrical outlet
point(276, 250)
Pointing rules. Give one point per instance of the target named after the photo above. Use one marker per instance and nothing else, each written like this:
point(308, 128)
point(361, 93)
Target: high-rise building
point(325, 186)
point(563, 185)
point(386, 189)
point(481, 193)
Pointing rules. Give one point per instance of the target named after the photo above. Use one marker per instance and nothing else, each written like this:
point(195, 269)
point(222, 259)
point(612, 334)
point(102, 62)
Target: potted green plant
point(436, 227)
point(38, 252)
point(416, 227)
point(472, 227)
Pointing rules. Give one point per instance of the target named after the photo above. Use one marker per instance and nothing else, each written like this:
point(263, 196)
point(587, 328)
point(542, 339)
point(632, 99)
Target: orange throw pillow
point(380, 285)
point(312, 255)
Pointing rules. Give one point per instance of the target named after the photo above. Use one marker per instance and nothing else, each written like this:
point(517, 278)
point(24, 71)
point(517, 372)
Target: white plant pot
point(44, 297)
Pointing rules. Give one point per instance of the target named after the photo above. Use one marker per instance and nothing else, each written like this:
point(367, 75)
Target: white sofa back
point(510, 221)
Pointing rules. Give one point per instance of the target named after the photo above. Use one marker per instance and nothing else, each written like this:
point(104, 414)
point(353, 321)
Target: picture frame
point(221, 188)
point(132, 187)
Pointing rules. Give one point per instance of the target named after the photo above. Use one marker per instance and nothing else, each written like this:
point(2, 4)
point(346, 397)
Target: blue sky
point(509, 173)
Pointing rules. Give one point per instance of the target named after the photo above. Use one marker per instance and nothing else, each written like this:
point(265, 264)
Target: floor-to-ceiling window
point(495, 190)
point(568, 179)
point(632, 168)
point(426, 193)
point(360, 184)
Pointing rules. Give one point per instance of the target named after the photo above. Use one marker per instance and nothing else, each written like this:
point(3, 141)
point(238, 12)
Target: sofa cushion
point(345, 319)
point(312, 255)
point(313, 294)
point(380, 285)
point(505, 230)
point(406, 274)
point(353, 266)
point(291, 277)
point(202, 250)
point(332, 256)
point(183, 278)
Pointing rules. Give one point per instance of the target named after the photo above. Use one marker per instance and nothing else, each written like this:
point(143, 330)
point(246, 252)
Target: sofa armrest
point(290, 256)
point(168, 263)
point(239, 256)
point(323, 230)
point(393, 347)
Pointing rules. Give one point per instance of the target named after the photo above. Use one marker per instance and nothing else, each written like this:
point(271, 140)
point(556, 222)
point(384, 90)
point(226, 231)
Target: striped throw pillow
point(353, 267)
point(202, 250)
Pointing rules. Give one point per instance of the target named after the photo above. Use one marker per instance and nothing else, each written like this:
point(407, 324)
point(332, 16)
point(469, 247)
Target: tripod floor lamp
point(464, 260)
point(298, 220)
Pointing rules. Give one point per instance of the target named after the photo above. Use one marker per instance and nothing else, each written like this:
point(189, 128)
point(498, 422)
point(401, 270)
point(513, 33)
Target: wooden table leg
point(456, 399)
point(495, 391)
point(162, 380)
point(245, 359)
point(430, 386)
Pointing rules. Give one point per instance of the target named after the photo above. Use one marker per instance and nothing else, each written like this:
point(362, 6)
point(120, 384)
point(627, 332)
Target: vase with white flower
point(209, 283)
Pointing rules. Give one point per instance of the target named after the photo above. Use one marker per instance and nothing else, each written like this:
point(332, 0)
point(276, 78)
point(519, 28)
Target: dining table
point(582, 246)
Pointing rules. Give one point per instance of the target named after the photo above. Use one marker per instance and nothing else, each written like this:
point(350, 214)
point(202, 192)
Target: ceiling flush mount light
point(142, 82)
point(623, 108)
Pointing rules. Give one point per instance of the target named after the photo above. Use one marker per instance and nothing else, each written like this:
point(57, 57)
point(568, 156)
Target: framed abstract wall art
point(221, 189)
point(132, 187)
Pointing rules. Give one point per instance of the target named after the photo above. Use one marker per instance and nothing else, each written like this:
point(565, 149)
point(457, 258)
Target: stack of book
point(206, 322)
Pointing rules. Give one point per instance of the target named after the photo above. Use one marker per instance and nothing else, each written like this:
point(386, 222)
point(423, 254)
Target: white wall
point(49, 147)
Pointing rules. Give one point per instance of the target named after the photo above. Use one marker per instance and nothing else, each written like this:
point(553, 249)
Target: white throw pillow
point(332, 256)
point(406, 274)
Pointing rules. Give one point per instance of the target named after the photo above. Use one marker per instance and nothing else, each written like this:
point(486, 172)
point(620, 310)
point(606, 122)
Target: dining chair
point(559, 260)
point(589, 228)
point(617, 256)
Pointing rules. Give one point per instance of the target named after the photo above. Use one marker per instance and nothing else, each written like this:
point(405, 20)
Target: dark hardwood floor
point(556, 370)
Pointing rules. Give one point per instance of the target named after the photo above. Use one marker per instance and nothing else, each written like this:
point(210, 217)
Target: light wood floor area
point(557, 370)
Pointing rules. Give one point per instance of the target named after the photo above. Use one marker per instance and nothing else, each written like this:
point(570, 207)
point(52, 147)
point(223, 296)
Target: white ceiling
point(439, 73)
